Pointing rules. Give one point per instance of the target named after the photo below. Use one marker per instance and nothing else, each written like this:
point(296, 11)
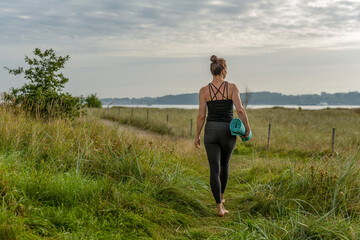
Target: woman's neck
point(218, 78)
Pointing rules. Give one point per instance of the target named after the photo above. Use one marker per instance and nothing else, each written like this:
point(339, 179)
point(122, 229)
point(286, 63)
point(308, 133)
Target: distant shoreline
point(258, 106)
point(254, 99)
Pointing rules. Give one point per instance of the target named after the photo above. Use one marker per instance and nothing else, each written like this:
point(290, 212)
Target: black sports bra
point(219, 110)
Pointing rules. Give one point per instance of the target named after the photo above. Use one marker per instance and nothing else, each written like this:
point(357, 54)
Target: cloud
point(180, 28)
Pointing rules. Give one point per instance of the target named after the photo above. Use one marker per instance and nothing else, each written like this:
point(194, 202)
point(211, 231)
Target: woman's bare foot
point(221, 210)
point(223, 200)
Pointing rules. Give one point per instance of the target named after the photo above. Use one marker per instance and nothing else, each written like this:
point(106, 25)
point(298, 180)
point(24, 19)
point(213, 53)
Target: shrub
point(42, 96)
point(92, 101)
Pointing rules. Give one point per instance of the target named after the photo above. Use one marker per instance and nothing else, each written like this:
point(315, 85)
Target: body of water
point(308, 107)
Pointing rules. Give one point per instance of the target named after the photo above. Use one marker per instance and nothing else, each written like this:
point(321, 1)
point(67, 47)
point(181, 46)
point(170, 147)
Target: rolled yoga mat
point(237, 128)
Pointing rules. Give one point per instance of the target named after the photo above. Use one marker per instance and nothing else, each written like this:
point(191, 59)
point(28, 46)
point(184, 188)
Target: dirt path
point(184, 147)
point(131, 130)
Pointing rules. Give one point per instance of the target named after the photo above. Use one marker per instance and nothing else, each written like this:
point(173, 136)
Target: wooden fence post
point(119, 112)
point(190, 127)
point(333, 141)
point(268, 141)
point(167, 119)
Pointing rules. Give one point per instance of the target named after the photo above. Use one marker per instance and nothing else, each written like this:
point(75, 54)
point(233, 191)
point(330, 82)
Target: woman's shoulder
point(204, 88)
point(202, 92)
point(232, 86)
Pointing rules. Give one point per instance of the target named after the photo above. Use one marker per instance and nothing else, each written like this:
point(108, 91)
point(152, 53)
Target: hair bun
point(214, 58)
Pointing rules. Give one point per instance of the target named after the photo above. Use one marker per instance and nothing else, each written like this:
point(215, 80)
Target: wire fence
point(181, 122)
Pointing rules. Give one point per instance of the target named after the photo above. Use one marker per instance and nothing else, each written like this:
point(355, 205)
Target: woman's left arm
point(201, 117)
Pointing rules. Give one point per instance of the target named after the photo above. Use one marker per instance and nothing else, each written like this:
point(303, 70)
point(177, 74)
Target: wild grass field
point(307, 131)
point(83, 179)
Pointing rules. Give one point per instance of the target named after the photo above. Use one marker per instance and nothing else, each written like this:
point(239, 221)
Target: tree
point(42, 95)
point(92, 101)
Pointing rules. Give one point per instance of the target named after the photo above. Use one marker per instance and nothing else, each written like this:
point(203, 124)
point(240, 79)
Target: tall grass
point(171, 121)
point(292, 130)
point(300, 203)
point(296, 189)
point(307, 130)
point(80, 179)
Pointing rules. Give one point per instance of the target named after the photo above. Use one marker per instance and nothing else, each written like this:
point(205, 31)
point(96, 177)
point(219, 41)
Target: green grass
point(80, 179)
point(170, 121)
point(292, 131)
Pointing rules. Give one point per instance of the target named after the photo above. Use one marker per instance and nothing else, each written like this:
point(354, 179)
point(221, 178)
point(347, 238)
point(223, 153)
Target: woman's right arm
point(201, 117)
point(240, 110)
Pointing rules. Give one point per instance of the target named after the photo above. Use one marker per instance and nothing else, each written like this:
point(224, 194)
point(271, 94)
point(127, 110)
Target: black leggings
point(219, 144)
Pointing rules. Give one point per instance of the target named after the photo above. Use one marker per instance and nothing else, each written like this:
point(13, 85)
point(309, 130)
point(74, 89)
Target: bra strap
point(227, 90)
point(218, 90)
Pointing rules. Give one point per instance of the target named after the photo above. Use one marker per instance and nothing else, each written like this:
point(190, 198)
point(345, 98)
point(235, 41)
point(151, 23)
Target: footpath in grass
point(292, 130)
point(286, 195)
point(65, 179)
point(81, 179)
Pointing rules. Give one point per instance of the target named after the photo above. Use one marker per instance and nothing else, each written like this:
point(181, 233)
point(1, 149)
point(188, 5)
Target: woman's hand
point(197, 142)
point(247, 134)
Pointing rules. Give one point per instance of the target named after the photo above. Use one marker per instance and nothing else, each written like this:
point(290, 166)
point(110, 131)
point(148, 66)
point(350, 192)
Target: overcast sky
point(155, 47)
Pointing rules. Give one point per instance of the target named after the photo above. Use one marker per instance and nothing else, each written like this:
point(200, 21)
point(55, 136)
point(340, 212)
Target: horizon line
point(240, 93)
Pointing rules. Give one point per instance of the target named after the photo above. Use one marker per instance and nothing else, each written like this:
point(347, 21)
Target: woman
point(219, 96)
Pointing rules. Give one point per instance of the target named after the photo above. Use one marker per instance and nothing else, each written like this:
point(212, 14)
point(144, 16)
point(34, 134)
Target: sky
point(153, 48)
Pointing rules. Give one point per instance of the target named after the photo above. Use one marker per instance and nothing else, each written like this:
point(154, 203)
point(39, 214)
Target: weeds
point(81, 178)
point(78, 179)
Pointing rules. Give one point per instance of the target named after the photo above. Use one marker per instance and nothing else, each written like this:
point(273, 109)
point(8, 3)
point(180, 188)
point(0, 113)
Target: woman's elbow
point(201, 117)
point(240, 111)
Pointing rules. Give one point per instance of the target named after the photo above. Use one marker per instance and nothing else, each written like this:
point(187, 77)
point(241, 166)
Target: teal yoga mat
point(237, 128)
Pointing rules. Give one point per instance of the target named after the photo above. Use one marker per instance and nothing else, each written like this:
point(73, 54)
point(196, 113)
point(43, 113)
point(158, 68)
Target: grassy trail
point(213, 223)
point(253, 184)
point(295, 190)
point(121, 128)
point(81, 179)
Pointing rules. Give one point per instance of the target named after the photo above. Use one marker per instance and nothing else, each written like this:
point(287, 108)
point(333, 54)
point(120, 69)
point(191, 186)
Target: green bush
point(42, 96)
point(92, 101)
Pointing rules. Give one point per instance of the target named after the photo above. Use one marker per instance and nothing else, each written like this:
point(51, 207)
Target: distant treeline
point(256, 98)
